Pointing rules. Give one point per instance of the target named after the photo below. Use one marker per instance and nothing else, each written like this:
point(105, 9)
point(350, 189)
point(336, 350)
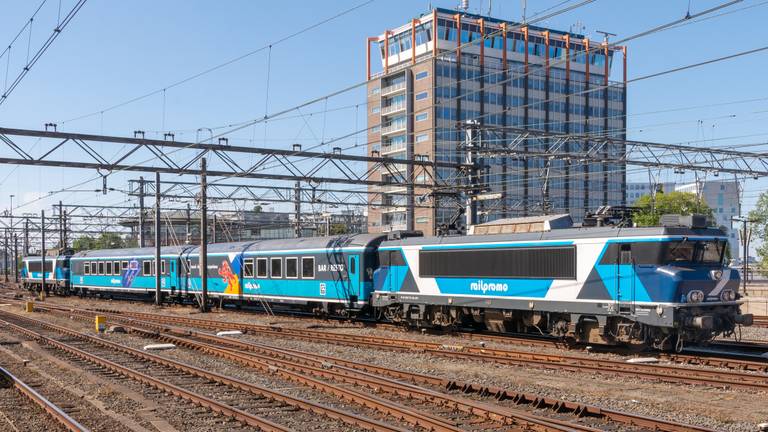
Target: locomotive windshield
point(708, 252)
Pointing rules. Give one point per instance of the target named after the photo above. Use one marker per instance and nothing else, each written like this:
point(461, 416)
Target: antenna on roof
point(525, 6)
point(464, 5)
point(490, 7)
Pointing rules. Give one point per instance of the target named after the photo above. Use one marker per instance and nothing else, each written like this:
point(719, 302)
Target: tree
point(104, 241)
point(684, 203)
point(759, 218)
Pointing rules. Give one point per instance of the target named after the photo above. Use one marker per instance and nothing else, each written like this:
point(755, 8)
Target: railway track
point(256, 406)
point(54, 412)
point(471, 415)
point(663, 373)
point(760, 321)
point(261, 356)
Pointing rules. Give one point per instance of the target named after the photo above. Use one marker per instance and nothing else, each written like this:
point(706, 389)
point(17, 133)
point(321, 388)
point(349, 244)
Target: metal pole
point(64, 231)
point(5, 255)
point(297, 208)
point(26, 236)
point(16, 258)
point(141, 212)
point(203, 267)
point(42, 253)
point(61, 225)
point(745, 258)
point(214, 228)
point(158, 266)
point(189, 225)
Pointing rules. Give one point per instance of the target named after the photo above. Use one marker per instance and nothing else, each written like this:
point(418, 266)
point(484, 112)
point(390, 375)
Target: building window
point(375, 110)
point(421, 96)
point(422, 116)
point(276, 270)
point(308, 267)
point(261, 267)
point(291, 268)
point(422, 75)
point(375, 90)
point(248, 267)
point(422, 138)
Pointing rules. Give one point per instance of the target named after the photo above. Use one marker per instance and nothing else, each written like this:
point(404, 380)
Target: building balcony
point(395, 227)
point(393, 129)
point(394, 148)
point(394, 88)
point(394, 108)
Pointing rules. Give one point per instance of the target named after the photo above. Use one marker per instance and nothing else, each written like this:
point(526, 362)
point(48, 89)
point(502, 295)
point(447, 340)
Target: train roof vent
point(523, 224)
point(399, 235)
point(689, 221)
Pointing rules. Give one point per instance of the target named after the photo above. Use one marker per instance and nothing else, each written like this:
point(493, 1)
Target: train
point(659, 286)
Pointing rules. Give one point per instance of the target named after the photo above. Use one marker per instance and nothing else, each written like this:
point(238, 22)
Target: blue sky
point(116, 50)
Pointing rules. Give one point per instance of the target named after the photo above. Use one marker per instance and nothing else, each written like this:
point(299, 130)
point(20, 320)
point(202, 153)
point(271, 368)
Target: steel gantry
point(175, 157)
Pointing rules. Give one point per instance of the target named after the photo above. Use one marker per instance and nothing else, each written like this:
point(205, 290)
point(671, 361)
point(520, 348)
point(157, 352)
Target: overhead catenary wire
point(315, 100)
point(326, 99)
point(224, 64)
point(39, 53)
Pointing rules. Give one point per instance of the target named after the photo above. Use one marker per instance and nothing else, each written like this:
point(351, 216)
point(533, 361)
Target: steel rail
point(663, 373)
point(299, 373)
point(192, 370)
point(50, 408)
point(240, 348)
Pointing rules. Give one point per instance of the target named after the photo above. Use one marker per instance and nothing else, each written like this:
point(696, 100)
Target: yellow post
point(29, 306)
point(100, 321)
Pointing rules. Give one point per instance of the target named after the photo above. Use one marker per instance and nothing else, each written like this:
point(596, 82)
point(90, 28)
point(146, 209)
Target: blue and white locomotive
point(56, 270)
point(661, 285)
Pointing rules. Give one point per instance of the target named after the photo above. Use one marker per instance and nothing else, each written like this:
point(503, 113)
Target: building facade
point(447, 68)
point(723, 197)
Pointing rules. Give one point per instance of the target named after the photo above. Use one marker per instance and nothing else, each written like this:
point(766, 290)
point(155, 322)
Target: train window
point(248, 267)
point(352, 266)
point(108, 268)
point(147, 270)
point(189, 266)
point(101, 267)
point(261, 267)
point(625, 254)
point(116, 268)
point(292, 268)
point(276, 270)
point(550, 262)
point(162, 266)
point(125, 265)
point(94, 269)
point(87, 268)
point(308, 267)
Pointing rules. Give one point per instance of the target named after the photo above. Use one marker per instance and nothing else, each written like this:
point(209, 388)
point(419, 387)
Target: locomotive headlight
point(728, 295)
point(695, 296)
point(716, 274)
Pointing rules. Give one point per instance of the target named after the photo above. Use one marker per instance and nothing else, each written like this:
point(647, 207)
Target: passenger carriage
point(126, 270)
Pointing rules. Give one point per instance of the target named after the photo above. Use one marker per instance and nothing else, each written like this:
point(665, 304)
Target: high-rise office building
point(446, 68)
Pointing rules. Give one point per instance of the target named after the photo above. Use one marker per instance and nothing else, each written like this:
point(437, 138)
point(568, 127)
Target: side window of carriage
point(625, 253)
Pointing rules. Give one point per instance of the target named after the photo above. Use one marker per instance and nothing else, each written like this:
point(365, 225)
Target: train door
point(173, 275)
point(353, 272)
point(625, 279)
point(393, 270)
